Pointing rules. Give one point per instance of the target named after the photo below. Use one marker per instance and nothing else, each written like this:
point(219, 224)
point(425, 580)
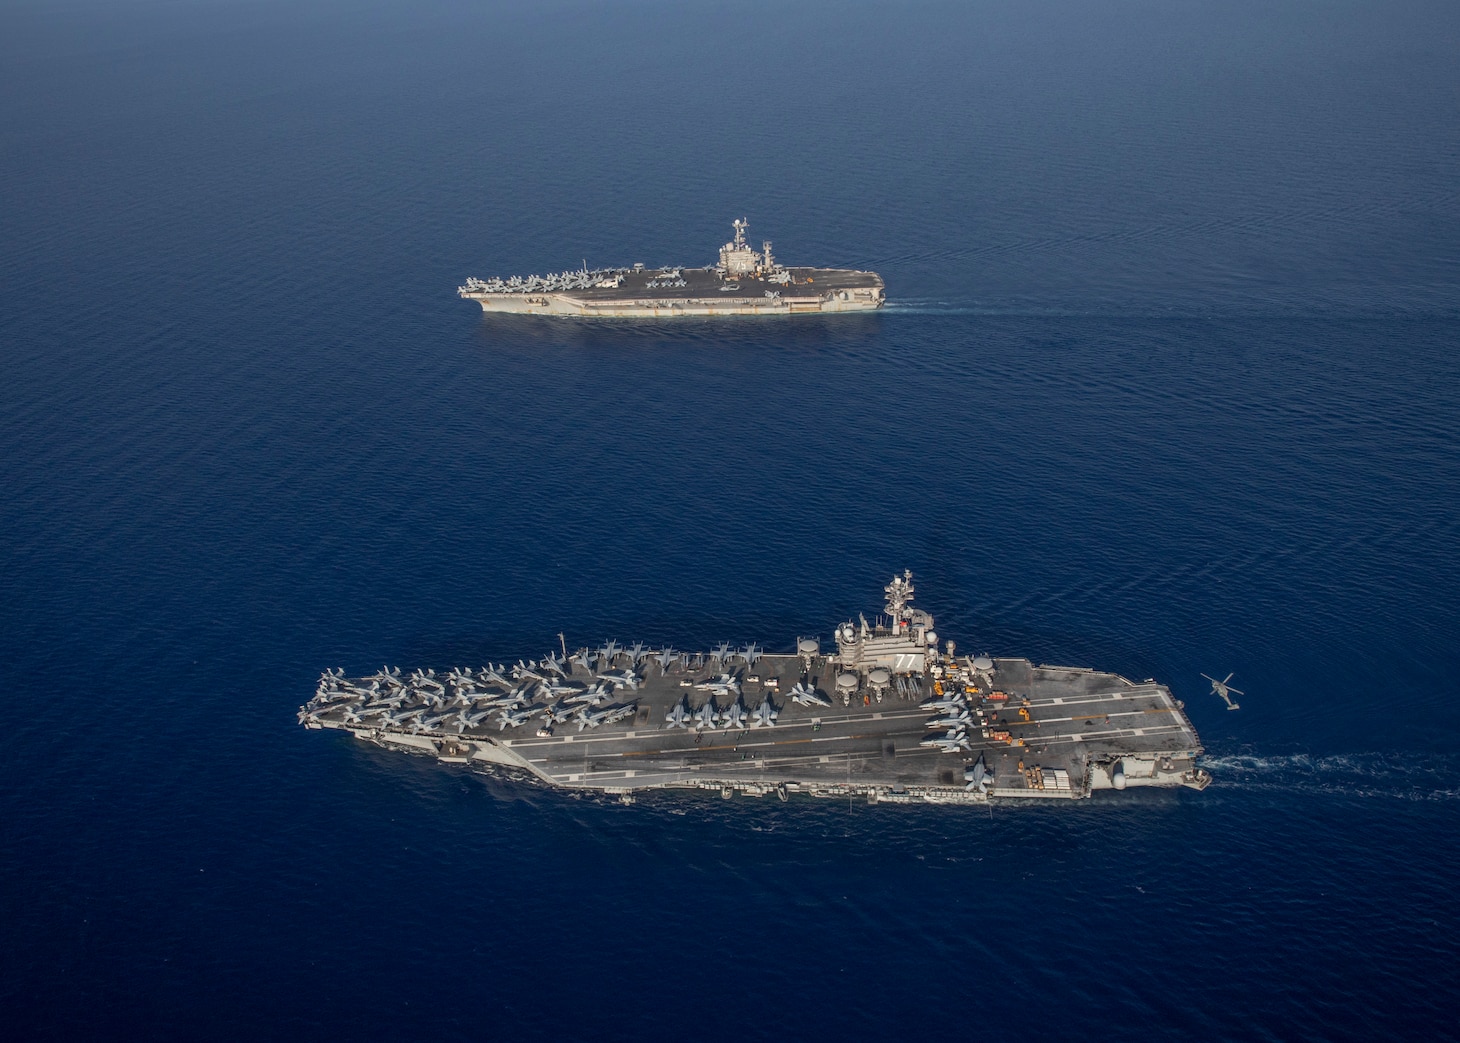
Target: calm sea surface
point(1168, 384)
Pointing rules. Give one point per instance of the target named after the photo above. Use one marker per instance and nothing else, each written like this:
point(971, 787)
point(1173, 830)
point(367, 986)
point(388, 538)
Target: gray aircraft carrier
point(745, 282)
point(888, 715)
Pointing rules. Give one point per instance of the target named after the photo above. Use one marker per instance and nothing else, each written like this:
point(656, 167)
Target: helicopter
point(1223, 689)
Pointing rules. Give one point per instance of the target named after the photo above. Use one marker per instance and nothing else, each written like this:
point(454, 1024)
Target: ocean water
point(1167, 385)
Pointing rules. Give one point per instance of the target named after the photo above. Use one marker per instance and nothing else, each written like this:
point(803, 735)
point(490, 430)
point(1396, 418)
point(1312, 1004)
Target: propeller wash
point(745, 282)
point(889, 715)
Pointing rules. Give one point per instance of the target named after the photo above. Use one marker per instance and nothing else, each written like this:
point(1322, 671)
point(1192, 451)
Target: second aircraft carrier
point(745, 282)
point(889, 714)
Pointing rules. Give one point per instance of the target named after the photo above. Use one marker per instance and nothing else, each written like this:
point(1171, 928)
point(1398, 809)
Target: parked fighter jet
point(467, 719)
point(750, 653)
point(951, 720)
point(489, 675)
point(523, 672)
point(707, 715)
point(553, 689)
point(622, 679)
point(559, 712)
point(386, 678)
point(618, 713)
point(719, 654)
point(978, 776)
point(669, 658)
point(808, 696)
point(590, 696)
point(765, 714)
point(952, 741)
point(637, 652)
point(515, 718)
point(734, 715)
point(592, 718)
point(556, 664)
point(951, 701)
point(608, 653)
point(427, 722)
point(722, 685)
point(679, 716)
point(589, 717)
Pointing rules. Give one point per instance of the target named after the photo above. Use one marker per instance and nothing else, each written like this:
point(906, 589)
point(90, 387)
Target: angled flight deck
point(887, 715)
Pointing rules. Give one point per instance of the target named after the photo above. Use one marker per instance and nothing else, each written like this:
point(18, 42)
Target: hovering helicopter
point(1223, 689)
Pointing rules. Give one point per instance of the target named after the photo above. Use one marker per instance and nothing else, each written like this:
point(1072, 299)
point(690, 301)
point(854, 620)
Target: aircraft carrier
point(885, 714)
point(745, 282)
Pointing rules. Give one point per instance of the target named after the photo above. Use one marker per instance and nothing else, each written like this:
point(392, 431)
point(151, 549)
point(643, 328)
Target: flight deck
point(887, 714)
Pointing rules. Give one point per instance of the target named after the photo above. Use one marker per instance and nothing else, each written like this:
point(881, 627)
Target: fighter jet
point(722, 685)
point(765, 714)
point(679, 716)
point(805, 695)
point(592, 718)
point(978, 776)
point(719, 654)
point(637, 652)
point(622, 679)
point(951, 720)
point(734, 715)
point(608, 653)
point(590, 696)
point(588, 717)
point(750, 653)
point(427, 722)
point(553, 689)
point(523, 672)
point(488, 675)
point(515, 718)
point(952, 741)
point(951, 701)
point(668, 658)
point(706, 716)
point(584, 658)
point(618, 713)
point(401, 720)
point(471, 720)
point(559, 712)
point(556, 664)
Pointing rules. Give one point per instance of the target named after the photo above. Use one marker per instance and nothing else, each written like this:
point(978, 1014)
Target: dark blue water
point(1168, 385)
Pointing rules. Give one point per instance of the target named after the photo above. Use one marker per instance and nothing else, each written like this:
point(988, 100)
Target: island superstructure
point(744, 282)
point(887, 714)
